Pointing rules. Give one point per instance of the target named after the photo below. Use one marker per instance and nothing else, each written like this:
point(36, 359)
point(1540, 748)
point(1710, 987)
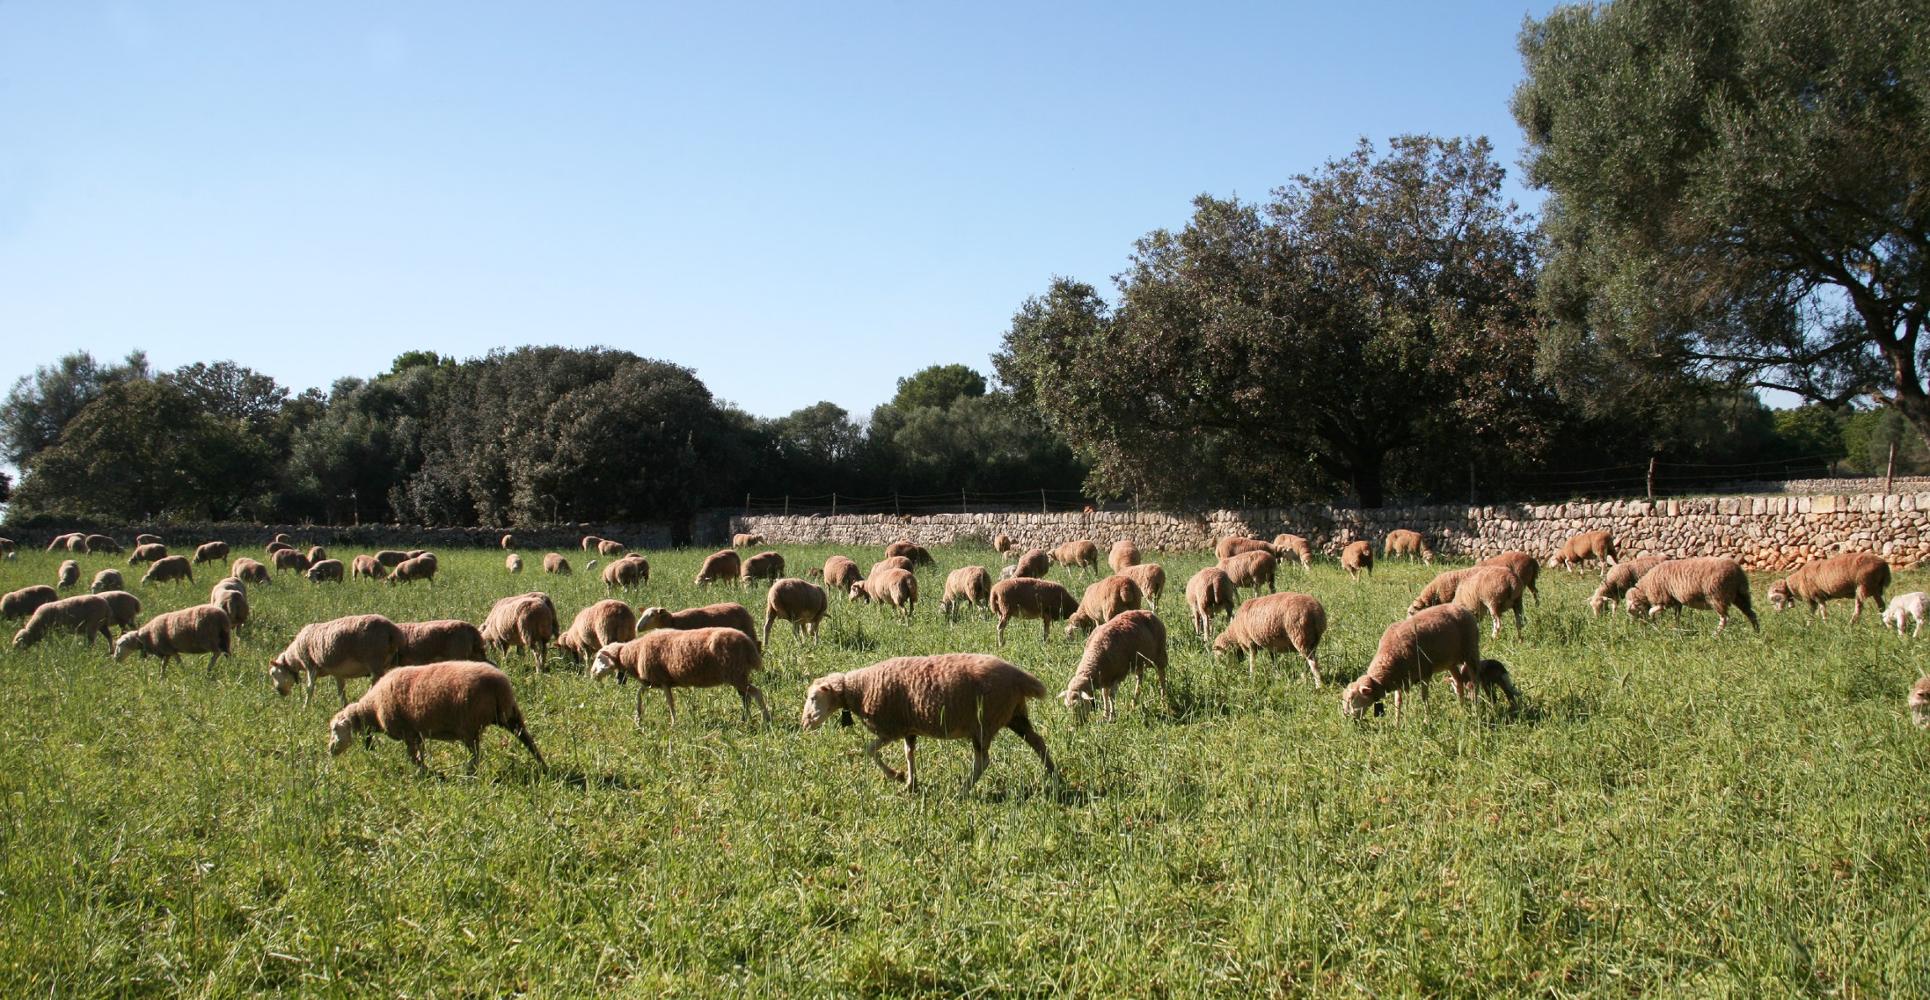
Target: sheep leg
point(670, 702)
point(216, 655)
point(911, 763)
point(522, 733)
point(341, 691)
point(641, 688)
point(981, 759)
point(768, 618)
point(1313, 667)
point(761, 705)
point(1045, 629)
point(1915, 632)
point(1022, 725)
point(1002, 619)
point(1858, 613)
point(475, 754)
point(415, 754)
point(871, 750)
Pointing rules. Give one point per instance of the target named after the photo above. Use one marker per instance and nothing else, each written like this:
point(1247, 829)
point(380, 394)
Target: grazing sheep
point(1919, 702)
point(234, 601)
point(289, 559)
point(554, 563)
point(8, 547)
point(1522, 565)
point(627, 572)
point(949, 696)
point(723, 564)
point(1443, 638)
point(1580, 548)
point(62, 541)
point(1210, 592)
point(276, 546)
point(508, 542)
point(762, 566)
point(452, 701)
point(1003, 544)
point(1234, 545)
point(1713, 583)
point(422, 567)
point(23, 602)
point(208, 552)
point(230, 583)
point(590, 542)
point(107, 579)
point(1618, 579)
point(168, 568)
point(687, 658)
point(102, 543)
point(435, 641)
point(1034, 563)
point(726, 615)
point(1357, 556)
point(145, 538)
point(967, 585)
point(77, 543)
point(1285, 544)
point(188, 632)
point(350, 646)
point(522, 621)
point(68, 575)
point(1439, 590)
point(1493, 589)
point(390, 558)
point(325, 569)
point(1031, 597)
point(1914, 606)
point(83, 614)
point(1277, 623)
point(282, 537)
point(840, 573)
point(889, 562)
point(123, 609)
point(1151, 579)
point(1251, 569)
point(1102, 602)
point(1118, 649)
point(147, 553)
point(799, 602)
point(365, 566)
point(1491, 676)
point(1405, 542)
point(607, 547)
point(1124, 553)
point(1080, 553)
point(1857, 575)
point(511, 562)
point(916, 553)
point(249, 571)
point(745, 540)
point(896, 587)
point(595, 627)
point(316, 554)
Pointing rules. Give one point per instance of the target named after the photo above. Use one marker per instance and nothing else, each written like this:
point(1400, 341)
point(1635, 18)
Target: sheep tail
point(512, 720)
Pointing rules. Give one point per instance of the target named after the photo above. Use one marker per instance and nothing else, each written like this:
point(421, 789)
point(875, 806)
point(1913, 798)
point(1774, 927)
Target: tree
point(1737, 190)
point(937, 386)
point(39, 408)
point(1383, 306)
point(230, 390)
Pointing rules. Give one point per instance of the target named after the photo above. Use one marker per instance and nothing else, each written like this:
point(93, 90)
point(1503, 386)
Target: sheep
point(918, 554)
point(555, 564)
point(1439, 590)
point(276, 546)
point(282, 537)
point(595, 627)
point(1521, 564)
point(144, 538)
point(511, 562)
point(230, 583)
point(522, 621)
point(1077, 554)
point(1031, 597)
point(123, 609)
point(62, 541)
point(168, 568)
point(840, 573)
point(289, 559)
point(629, 571)
point(590, 542)
point(390, 558)
point(1118, 649)
point(1856, 575)
point(720, 565)
point(350, 646)
point(890, 562)
point(1276, 623)
point(1914, 606)
point(507, 542)
point(1714, 583)
point(896, 587)
point(422, 567)
point(1124, 553)
point(68, 575)
point(412, 553)
point(325, 569)
point(726, 615)
point(1208, 593)
point(1033, 563)
point(1004, 545)
point(1586, 545)
point(1284, 544)
point(1442, 638)
point(799, 602)
point(1919, 702)
point(1233, 545)
point(107, 579)
point(210, 552)
point(607, 547)
point(1493, 589)
point(948, 696)
point(435, 641)
point(1357, 556)
point(102, 543)
point(23, 602)
point(452, 701)
point(1251, 569)
point(762, 566)
point(687, 658)
point(316, 554)
point(8, 547)
point(77, 542)
point(1151, 579)
point(967, 585)
point(746, 540)
point(248, 570)
point(82, 614)
point(1406, 542)
point(1103, 600)
point(232, 600)
point(204, 628)
point(147, 553)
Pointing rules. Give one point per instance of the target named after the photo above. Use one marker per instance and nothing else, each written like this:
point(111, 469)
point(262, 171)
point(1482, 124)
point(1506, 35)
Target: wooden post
point(1042, 500)
point(1889, 470)
point(961, 501)
point(834, 503)
point(894, 504)
point(787, 505)
point(747, 503)
point(1651, 477)
point(1470, 481)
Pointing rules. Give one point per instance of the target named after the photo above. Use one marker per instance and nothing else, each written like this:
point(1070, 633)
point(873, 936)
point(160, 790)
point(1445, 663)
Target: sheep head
point(604, 664)
point(1638, 603)
point(825, 696)
point(1079, 700)
point(1779, 596)
point(858, 593)
point(1920, 705)
point(1361, 694)
point(343, 728)
point(283, 676)
point(128, 643)
point(652, 618)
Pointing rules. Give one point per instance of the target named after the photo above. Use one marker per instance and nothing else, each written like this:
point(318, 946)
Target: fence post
point(961, 502)
point(834, 503)
point(787, 505)
point(1651, 477)
point(1042, 500)
point(1889, 470)
point(894, 505)
point(747, 503)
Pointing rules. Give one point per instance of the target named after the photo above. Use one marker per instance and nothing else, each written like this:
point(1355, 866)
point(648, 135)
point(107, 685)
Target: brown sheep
point(918, 555)
point(123, 609)
point(68, 575)
point(276, 546)
point(147, 553)
point(607, 547)
point(1580, 548)
point(1124, 553)
point(102, 543)
point(325, 570)
point(1618, 579)
point(1210, 592)
point(724, 564)
point(762, 566)
point(83, 614)
point(1103, 600)
point(1919, 702)
point(1033, 563)
point(107, 579)
point(967, 585)
point(1521, 564)
point(896, 587)
point(210, 552)
point(799, 602)
point(365, 566)
point(595, 627)
point(187, 632)
point(1439, 590)
point(232, 600)
point(1294, 545)
point(422, 567)
point(1856, 575)
point(248, 571)
point(1234, 545)
point(726, 615)
point(144, 538)
point(1251, 569)
point(554, 563)
point(688, 658)
point(350, 646)
point(1713, 583)
point(434, 701)
point(840, 573)
point(1004, 545)
point(1121, 648)
point(1406, 542)
point(316, 554)
point(1276, 623)
point(390, 558)
point(627, 572)
point(1151, 579)
point(746, 540)
point(1356, 557)
point(508, 542)
point(23, 602)
point(1443, 638)
point(168, 568)
point(77, 543)
point(590, 542)
point(1080, 553)
point(890, 562)
point(512, 562)
point(523, 621)
point(1030, 597)
point(60, 541)
point(436, 641)
point(289, 559)
point(1493, 589)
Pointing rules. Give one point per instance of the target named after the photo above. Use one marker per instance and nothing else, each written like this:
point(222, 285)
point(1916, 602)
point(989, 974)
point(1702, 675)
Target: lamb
point(248, 570)
point(434, 701)
point(1357, 556)
point(1151, 579)
point(1919, 702)
point(234, 601)
point(511, 562)
point(746, 540)
point(1118, 649)
point(68, 575)
point(26, 600)
point(107, 579)
point(918, 555)
point(627, 572)
point(1714, 583)
point(82, 614)
point(1030, 597)
point(102, 543)
point(1913, 606)
point(1283, 544)
point(1124, 553)
point(967, 585)
point(522, 621)
point(422, 567)
point(688, 658)
point(435, 641)
point(147, 553)
point(210, 552)
point(723, 564)
point(607, 547)
point(595, 627)
point(840, 573)
point(1406, 542)
point(316, 554)
point(1443, 638)
point(799, 602)
point(390, 558)
point(289, 559)
point(1857, 575)
point(350, 646)
point(1003, 544)
point(1586, 545)
point(168, 568)
point(1493, 589)
point(123, 609)
point(1277, 623)
point(555, 564)
point(724, 615)
point(762, 566)
point(1103, 600)
point(948, 696)
point(896, 587)
point(1234, 545)
point(326, 569)
point(1250, 569)
point(507, 542)
point(187, 632)
point(1033, 563)
point(1522, 565)
point(1210, 592)
point(1077, 554)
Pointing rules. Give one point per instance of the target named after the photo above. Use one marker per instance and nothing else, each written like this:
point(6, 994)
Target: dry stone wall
point(561, 537)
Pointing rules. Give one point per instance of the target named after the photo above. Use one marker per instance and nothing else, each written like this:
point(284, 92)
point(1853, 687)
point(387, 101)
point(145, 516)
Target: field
point(1674, 813)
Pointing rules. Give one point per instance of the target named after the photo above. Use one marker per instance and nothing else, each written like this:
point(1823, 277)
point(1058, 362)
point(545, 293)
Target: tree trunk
point(1366, 473)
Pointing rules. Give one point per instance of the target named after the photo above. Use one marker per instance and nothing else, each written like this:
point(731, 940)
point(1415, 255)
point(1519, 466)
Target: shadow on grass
point(576, 777)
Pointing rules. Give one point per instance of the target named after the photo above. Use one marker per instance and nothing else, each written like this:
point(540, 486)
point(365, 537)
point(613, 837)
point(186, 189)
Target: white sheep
point(1583, 546)
point(1407, 542)
point(233, 600)
point(23, 602)
point(1124, 553)
point(970, 586)
point(1913, 606)
point(452, 701)
point(1210, 592)
point(1286, 544)
point(350, 646)
point(249, 570)
point(523, 621)
point(68, 575)
point(1103, 599)
point(208, 552)
point(554, 563)
point(1122, 647)
point(596, 626)
point(187, 632)
point(1919, 702)
point(107, 579)
point(1151, 578)
point(1442, 638)
point(725, 615)
point(630, 571)
point(511, 562)
point(168, 568)
point(1713, 583)
point(762, 566)
point(840, 573)
point(724, 564)
point(1251, 569)
point(688, 658)
point(895, 587)
point(1619, 578)
point(123, 609)
point(1357, 558)
point(324, 570)
point(1080, 553)
point(422, 567)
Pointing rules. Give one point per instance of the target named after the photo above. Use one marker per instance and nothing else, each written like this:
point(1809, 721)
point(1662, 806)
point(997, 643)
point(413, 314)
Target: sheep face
point(605, 664)
point(1597, 605)
point(129, 642)
point(1920, 710)
point(1779, 596)
point(1080, 702)
point(21, 639)
point(819, 703)
point(1638, 604)
point(858, 593)
point(283, 676)
point(1358, 697)
point(341, 731)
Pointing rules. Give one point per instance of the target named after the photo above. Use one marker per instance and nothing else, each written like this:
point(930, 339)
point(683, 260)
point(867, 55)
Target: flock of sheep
point(433, 680)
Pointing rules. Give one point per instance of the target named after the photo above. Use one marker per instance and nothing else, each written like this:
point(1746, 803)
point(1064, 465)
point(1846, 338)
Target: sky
point(798, 201)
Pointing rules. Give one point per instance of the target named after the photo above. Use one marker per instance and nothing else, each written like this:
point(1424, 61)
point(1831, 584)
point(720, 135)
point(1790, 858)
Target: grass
point(1675, 813)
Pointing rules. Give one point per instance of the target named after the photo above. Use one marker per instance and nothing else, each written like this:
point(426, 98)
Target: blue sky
point(800, 202)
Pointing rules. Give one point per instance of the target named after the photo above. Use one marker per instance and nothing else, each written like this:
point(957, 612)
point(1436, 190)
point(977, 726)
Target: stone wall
point(561, 537)
point(1763, 532)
